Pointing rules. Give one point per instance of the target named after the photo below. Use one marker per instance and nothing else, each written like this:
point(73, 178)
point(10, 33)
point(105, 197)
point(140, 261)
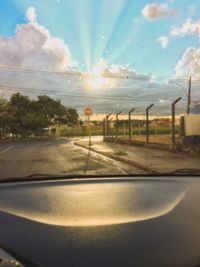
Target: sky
point(99, 41)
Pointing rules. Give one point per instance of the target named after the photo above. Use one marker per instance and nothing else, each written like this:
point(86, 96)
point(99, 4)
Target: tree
point(23, 116)
point(56, 112)
point(72, 116)
point(5, 117)
point(26, 117)
point(52, 109)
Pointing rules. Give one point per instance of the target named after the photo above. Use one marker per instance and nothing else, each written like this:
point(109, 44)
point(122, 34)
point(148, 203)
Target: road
point(59, 157)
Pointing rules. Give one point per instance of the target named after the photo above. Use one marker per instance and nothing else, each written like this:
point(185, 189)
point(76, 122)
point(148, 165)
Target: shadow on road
point(87, 161)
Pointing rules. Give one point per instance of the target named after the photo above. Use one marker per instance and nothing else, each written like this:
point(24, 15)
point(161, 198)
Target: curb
point(127, 161)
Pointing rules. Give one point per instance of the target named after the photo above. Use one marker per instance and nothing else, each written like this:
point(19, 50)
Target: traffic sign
point(88, 111)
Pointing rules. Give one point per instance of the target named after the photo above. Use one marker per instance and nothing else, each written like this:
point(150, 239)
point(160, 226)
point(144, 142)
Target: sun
point(98, 83)
point(96, 80)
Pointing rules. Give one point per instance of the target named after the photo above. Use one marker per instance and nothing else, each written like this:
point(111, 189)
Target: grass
point(162, 130)
point(98, 130)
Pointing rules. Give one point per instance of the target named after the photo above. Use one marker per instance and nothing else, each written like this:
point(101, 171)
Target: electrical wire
point(99, 97)
point(78, 73)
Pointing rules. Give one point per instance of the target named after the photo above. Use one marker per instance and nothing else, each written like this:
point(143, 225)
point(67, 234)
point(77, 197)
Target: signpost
point(88, 112)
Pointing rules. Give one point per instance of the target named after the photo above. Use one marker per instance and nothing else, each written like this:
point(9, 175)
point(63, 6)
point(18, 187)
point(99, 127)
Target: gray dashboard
point(102, 222)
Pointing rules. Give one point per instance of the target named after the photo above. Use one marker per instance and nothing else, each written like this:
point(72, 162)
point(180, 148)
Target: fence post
point(147, 123)
point(174, 121)
point(107, 126)
point(117, 124)
point(104, 129)
point(129, 124)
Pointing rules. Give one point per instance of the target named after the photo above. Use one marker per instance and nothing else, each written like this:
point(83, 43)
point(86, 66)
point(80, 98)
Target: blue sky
point(113, 29)
point(144, 39)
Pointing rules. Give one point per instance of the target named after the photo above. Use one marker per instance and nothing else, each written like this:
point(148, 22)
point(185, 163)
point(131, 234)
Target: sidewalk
point(147, 159)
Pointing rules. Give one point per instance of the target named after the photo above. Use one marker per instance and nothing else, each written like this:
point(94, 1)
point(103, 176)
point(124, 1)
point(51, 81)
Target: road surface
point(59, 157)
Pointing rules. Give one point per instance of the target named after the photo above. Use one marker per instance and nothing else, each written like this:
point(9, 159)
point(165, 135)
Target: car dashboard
point(127, 221)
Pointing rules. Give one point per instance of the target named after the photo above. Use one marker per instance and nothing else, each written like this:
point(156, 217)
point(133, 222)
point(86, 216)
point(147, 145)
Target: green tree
point(56, 112)
point(71, 116)
point(5, 117)
point(24, 116)
point(52, 109)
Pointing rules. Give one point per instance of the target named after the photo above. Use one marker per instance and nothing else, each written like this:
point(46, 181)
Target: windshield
point(95, 87)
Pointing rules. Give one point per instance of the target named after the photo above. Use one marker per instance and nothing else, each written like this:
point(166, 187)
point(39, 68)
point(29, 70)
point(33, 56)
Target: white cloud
point(188, 28)
point(164, 41)
point(118, 70)
point(115, 70)
point(189, 64)
point(33, 46)
point(156, 11)
point(31, 14)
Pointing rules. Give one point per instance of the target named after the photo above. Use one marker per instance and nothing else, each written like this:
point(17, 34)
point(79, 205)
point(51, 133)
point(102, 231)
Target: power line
point(99, 97)
point(78, 73)
point(37, 71)
point(53, 90)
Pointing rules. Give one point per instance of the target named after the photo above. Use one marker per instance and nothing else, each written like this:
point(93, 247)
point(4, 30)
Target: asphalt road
point(59, 157)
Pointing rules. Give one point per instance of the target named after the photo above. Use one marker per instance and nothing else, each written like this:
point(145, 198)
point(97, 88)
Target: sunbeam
point(121, 30)
point(104, 30)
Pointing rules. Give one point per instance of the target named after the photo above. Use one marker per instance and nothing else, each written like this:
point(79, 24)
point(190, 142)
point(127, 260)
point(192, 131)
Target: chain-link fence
point(149, 127)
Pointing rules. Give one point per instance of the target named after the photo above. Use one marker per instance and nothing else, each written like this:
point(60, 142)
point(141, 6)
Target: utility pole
point(189, 95)
point(174, 121)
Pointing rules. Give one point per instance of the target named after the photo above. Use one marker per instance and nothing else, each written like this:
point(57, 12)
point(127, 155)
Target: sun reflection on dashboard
point(92, 204)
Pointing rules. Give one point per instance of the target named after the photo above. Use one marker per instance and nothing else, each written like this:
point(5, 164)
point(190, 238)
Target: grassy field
point(161, 130)
point(80, 131)
point(124, 132)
